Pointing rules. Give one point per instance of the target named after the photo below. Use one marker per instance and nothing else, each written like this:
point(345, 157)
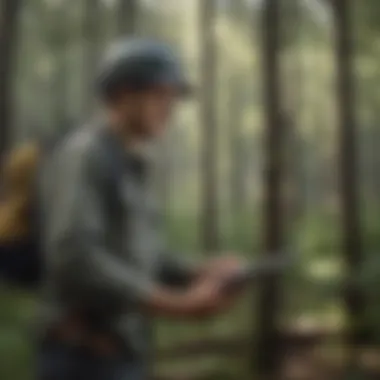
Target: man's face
point(147, 113)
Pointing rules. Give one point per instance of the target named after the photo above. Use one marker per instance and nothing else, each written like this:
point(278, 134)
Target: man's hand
point(223, 267)
point(213, 277)
point(206, 296)
point(216, 288)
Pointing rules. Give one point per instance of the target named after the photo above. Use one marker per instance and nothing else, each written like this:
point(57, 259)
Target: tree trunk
point(237, 162)
point(237, 11)
point(58, 43)
point(209, 224)
point(8, 42)
point(296, 170)
point(127, 17)
point(351, 233)
point(268, 349)
point(92, 47)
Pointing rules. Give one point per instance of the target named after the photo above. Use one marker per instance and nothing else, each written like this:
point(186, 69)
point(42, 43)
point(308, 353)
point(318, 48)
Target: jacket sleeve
point(86, 268)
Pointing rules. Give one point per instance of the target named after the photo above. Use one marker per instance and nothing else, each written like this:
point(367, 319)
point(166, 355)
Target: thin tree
point(268, 349)
point(348, 162)
point(9, 12)
point(92, 46)
point(238, 164)
point(236, 97)
point(127, 17)
point(58, 43)
point(207, 93)
point(293, 123)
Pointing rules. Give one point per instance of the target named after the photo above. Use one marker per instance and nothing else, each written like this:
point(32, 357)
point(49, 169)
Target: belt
point(74, 333)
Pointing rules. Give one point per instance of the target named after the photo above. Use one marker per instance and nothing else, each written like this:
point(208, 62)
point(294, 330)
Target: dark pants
point(62, 362)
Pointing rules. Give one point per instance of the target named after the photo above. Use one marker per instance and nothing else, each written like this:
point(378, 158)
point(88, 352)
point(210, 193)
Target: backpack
point(21, 258)
point(21, 261)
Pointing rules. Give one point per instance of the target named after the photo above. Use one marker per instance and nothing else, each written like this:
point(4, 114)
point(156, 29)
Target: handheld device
point(258, 269)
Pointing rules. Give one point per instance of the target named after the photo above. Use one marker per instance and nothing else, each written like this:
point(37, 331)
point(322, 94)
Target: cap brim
point(185, 89)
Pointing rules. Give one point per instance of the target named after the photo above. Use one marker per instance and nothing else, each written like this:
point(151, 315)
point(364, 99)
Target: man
point(108, 272)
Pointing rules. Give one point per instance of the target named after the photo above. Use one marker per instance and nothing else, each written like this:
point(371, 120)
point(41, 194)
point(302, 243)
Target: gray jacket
point(102, 239)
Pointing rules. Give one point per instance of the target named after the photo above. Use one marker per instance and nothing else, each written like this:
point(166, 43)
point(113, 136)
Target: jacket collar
point(134, 160)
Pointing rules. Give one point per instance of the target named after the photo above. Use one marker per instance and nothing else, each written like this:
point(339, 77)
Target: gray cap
point(137, 64)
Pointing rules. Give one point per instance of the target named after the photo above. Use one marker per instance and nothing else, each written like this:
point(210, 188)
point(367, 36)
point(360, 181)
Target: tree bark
point(348, 162)
point(92, 47)
point(237, 162)
point(9, 13)
point(296, 171)
point(268, 349)
point(209, 180)
point(58, 41)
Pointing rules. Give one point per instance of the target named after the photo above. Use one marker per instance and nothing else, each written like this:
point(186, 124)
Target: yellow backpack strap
point(17, 182)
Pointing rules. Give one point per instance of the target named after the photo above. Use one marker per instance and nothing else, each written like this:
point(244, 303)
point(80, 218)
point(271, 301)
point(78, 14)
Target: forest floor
point(298, 366)
point(316, 365)
point(301, 362)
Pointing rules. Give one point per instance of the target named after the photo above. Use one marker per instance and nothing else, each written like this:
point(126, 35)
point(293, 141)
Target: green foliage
point(318, 235)
point(16, 318)
point(369, 274)
point(367, 30)
point(311, 291)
